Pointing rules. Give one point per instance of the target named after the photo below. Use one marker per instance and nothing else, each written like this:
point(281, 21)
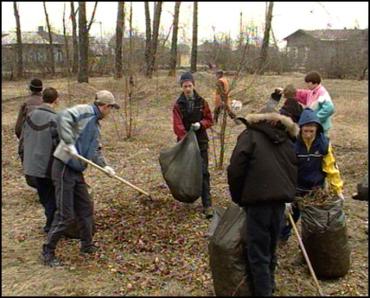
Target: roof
point(329, 34)
point(32, 38)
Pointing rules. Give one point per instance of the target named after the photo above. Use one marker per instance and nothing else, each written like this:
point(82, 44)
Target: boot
point(48, 257)
point(91, 249)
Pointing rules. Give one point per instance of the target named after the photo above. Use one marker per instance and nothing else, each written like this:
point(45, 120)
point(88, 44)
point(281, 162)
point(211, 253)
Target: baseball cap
point(106, 97)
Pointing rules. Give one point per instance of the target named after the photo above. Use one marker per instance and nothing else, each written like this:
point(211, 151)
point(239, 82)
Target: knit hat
point(35, 84)
point(106, 97)
point(187, 76)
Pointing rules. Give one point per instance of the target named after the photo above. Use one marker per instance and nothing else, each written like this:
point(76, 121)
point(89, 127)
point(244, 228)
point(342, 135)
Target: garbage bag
point(227, 254)
point(362, 190)
point(181, 168)
point(324, 235)
point(217, 215)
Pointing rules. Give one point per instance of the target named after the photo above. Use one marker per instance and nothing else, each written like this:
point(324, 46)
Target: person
point(316, 164)
point(318, 99)
point(40, 137)
point(262, 177)
point(33, 101)
point(222, 96)
point(192, 111)
point(79, 133)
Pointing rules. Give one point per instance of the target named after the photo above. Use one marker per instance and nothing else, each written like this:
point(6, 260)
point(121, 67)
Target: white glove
point(341, 196)
point(288, 209)
point(110, 170)
point(71, 149)
point(195, 126)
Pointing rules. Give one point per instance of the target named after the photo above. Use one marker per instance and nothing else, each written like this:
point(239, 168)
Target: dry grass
point(160, 248)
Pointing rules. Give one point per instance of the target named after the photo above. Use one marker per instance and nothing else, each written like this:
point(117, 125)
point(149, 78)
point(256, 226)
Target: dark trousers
point(46, 192)
point(72, 201)
point(263, 229)
point(31, 181)
point(206, 195)
point(286, 229)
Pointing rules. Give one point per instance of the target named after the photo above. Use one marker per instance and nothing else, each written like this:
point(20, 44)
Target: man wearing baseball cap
point(79, 132)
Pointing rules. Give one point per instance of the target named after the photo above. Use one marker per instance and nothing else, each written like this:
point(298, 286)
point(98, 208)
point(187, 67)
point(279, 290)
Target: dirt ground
point(160, 247)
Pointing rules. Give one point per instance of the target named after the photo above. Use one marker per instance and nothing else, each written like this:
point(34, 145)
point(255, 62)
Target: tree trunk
point(173, 59)
point(154, 39)
point(194, 49)
point(74, 39)
point(148, 34)
point(83, 36)
point(66, 45)
point(119, 35)
point(266, 38)
point(19, 65)
point(51, 47)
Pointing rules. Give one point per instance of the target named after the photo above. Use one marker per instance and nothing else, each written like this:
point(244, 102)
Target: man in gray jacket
point(79, 133)
point(40, 138)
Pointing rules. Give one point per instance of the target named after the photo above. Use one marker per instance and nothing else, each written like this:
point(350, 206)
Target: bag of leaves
point(217, 215)
point(227, 257)
point(181, 168)
point(324, 235)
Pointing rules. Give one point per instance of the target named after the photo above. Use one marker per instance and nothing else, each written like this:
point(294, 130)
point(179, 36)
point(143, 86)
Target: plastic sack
point(227, 254)
point(181, 168)
point(324, 235)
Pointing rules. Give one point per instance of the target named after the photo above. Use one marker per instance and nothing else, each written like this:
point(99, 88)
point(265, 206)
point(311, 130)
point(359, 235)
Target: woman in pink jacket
point(318, 99)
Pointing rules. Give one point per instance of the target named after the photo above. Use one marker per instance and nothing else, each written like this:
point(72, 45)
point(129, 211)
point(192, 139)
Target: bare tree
point(194, 48)
point(154, 38)
point(266, 38)
point(51, 47)
point(19, 65)
point(148, 35)
point(173, 59)
point(74, 39)
point(66, 45)
point(83, 36)
point(119, 36)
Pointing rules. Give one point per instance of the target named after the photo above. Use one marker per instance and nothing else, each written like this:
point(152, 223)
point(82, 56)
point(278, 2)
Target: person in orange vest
point(222, 100)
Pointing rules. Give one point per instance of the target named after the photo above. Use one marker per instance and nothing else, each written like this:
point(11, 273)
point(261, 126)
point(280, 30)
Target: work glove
point(276, 95)
point(195, 126)
point(288, 209)
point(110, 171)
point(71, 149)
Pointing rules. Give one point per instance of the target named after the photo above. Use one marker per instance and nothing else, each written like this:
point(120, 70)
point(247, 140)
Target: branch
point(92, 16)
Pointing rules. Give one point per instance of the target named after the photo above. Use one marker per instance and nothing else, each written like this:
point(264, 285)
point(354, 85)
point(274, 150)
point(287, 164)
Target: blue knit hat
point(309, 116)
point(187, 76)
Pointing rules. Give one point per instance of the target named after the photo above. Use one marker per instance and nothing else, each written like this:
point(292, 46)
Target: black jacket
point(263, 165)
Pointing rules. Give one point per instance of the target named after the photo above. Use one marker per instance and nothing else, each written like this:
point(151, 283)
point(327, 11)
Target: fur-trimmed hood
point(278, 133)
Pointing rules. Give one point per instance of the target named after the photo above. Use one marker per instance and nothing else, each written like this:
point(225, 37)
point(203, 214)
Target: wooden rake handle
point(113, 176)
point(305, 255)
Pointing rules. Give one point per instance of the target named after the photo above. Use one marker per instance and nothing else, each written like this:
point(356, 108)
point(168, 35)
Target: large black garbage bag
point(227, 254)
point(324, 235)
point(181, 168)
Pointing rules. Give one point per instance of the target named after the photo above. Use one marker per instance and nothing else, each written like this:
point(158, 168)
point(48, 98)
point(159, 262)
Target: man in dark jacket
point(40, 137)
point(191, 110)
point(262, 177)
point(79, 133)
point(31, 103)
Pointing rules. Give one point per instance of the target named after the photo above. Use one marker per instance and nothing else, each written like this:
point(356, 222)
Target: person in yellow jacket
point(222, 100)
point(316, 164)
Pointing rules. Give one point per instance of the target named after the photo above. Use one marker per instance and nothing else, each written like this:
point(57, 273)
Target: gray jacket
point(40, 137)
point(79, 125)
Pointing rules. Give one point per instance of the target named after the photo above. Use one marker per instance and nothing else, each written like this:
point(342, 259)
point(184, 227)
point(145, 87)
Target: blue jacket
point(310, 171)
point(79, 126)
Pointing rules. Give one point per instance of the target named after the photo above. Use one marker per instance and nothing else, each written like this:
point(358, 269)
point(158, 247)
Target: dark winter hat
point(309, 116)
point(36, 84)
point(187, 76)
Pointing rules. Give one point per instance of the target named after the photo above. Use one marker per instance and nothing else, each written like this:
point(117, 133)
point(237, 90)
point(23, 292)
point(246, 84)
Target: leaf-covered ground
point(159, 247)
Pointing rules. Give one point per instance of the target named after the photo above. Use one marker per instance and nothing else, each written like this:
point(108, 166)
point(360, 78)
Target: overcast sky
point(219, 16)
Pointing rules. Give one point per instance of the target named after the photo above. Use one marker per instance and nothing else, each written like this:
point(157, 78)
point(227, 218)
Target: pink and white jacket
point(320, 101)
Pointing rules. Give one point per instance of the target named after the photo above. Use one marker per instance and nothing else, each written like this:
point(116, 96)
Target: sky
point(212, 17)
